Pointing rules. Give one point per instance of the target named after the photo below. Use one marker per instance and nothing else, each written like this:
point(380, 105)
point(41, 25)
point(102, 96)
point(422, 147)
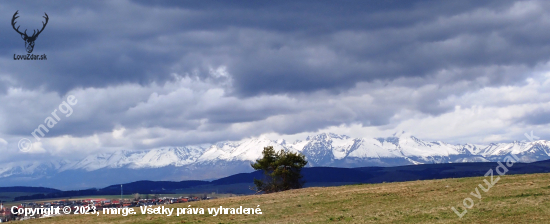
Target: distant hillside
point(145, 186)
point(396, 174)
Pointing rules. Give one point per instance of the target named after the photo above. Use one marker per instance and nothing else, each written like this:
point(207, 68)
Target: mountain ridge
point(231, 157)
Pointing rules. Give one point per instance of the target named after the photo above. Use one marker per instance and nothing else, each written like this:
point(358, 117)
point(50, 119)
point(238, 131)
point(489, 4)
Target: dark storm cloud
point(269, 47)
point(538, 117)
point(352, 41)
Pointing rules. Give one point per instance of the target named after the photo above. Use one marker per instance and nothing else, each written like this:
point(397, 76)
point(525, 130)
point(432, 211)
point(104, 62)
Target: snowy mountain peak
point(326, 137)
point(401, 134)
point(326, 149)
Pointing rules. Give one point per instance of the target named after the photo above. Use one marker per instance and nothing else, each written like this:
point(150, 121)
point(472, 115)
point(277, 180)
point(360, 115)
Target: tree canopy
point(281, 170)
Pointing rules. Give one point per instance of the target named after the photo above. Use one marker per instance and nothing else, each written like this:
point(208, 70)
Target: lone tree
point(281, 170)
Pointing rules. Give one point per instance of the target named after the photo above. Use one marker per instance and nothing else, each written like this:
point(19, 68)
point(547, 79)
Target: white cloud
point(191, 111)
point(475, 75)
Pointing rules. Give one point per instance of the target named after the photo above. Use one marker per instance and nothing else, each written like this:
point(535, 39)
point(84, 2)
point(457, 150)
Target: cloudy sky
point(150, 74)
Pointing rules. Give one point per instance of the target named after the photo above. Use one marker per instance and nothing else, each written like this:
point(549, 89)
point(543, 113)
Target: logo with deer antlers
point(29, 41)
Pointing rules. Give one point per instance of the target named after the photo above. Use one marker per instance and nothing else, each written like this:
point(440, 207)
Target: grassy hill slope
point(514, 199)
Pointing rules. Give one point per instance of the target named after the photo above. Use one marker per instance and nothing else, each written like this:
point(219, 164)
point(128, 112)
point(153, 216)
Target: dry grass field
point(514, 199)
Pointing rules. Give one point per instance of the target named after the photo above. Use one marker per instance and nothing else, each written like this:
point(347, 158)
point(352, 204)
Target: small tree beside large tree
point(281, 170)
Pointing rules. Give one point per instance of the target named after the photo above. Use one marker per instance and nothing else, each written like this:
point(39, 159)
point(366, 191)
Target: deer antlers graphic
point(29, 41)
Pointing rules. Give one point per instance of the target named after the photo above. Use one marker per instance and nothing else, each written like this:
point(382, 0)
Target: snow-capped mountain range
point(231, 157)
